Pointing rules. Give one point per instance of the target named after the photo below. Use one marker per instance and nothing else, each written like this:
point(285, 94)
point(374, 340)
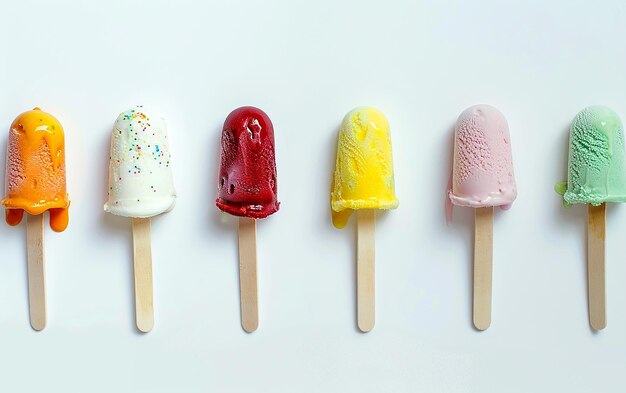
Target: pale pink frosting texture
point(482, 174)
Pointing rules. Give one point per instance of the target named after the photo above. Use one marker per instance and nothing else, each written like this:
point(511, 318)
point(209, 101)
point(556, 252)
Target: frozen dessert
point(363, 177)
point(247, 176)
point(35, 170)
point(595, 171)
point(482, 173)
point(140, 172)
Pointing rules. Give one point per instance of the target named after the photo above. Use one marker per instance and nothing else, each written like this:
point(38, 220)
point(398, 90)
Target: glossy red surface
point(247, 176)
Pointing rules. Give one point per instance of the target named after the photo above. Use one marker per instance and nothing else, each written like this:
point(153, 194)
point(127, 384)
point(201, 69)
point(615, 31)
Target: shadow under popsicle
point(459, 218)
point(118, 226)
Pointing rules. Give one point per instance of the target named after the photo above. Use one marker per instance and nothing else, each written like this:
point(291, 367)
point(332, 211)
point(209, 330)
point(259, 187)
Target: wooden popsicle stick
point(247, 274)
point(142, 262)
point(596, 233)
point(36, 271)
point(483, 266)
point(366, 240)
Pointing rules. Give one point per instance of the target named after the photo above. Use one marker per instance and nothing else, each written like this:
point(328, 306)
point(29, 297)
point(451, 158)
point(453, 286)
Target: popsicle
point(363, 181)
point(482, 178)
point(595, 175)
point(247, 188)
point(140, 186)
point(35, 183)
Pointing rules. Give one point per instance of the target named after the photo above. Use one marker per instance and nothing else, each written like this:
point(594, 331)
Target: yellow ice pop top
point(364, 171)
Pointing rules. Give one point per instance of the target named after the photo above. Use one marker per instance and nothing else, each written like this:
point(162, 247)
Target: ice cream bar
point(482, 173)
point(596, 158)
point(247, 188)
point(363, 176)
point(35, 172)
point(247, 176)
point(595, 175)
point(140, 173)
point(482, 178)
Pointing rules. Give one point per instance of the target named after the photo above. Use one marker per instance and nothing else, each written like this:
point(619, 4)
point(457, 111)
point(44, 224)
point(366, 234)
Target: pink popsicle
point(482, 174)
point(482, 177)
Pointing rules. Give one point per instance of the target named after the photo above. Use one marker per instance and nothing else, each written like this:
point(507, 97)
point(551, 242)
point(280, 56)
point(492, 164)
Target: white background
point(306, 64)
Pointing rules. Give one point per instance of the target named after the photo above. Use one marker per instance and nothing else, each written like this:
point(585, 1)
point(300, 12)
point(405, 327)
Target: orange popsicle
point(35, 174)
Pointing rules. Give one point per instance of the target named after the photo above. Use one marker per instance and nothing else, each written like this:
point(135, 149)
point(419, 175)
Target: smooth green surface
point(596, 158)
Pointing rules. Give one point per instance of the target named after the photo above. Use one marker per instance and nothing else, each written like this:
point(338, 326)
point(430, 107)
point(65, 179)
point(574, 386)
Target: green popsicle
point(596, 170)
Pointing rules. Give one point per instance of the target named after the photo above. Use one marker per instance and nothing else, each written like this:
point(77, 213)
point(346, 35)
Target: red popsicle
point(247, 188)
point(247, 177)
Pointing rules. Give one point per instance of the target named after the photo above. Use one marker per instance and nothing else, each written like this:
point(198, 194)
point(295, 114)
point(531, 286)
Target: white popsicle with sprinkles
point(140, 187)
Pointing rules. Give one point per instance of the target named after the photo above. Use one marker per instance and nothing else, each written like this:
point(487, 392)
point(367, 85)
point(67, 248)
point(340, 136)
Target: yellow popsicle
point(363, 176)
